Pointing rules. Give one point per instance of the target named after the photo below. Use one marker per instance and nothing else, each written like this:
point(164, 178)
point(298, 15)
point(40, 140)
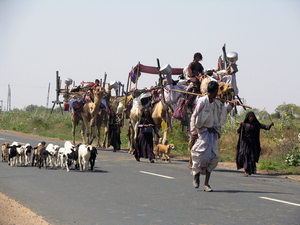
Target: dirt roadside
point(12, 213)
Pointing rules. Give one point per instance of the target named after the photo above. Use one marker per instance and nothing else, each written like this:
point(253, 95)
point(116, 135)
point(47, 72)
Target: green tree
point(31, 108)
point(290, 110)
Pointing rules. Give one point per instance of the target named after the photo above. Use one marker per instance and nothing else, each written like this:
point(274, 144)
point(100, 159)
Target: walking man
point(209, 115)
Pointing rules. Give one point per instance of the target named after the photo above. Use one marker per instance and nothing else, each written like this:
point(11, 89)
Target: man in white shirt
point(209, 115)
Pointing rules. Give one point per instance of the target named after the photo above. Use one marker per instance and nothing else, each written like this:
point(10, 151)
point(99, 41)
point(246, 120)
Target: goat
point(36, 153)
point(53, 155)
point(84, 153)
point(93, 158)
point(71, 155)
point(43, 155)
point(60, 158)
point(28, 153)
point(21, 155)
point(12, 153)
point(62, 153)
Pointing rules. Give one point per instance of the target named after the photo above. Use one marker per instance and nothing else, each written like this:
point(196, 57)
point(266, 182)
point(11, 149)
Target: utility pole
point(9, 99)
point(57, 94)
point(47, 99)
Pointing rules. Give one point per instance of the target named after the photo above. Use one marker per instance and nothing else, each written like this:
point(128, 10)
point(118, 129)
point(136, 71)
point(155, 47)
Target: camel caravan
point(169, 99)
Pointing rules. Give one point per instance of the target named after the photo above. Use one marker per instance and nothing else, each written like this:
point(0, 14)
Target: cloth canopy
point(140, 68)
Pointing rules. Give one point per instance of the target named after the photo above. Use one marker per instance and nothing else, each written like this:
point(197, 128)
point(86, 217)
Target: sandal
point(196, 180)
point(207, 188)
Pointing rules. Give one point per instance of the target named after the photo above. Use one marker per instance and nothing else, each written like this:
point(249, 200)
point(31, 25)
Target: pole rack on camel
point(201, 95)
point(163, 96)
point(126, 93)
point(57, 94)
point(226, 65)
point(104, 80)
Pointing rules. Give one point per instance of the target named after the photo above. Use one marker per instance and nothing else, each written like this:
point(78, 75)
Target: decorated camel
point(102, 115)
point(159, 114)
point(102, 119)
point(225, 91)
point(135, 116)
point(162, 112)
point(90, 117)
point(118, 104)
point(90, 111)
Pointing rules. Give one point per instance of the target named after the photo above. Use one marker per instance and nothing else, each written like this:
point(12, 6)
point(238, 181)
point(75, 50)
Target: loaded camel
point(89, 116)
point(102, 116)
point(159, 114)
point(138, 104)
point(90, 111)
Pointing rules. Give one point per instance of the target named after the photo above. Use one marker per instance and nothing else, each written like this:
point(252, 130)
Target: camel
point(89, 116)
point(118, 104)
point(225, 91)
point(76, 117)
point(134, 117)
point(161, 112)
point(102, 118)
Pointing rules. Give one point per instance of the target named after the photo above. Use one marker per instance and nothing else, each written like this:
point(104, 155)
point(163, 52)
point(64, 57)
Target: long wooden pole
point(168, 117)
point(201, 95)
point(137, 75)
point(125, 106)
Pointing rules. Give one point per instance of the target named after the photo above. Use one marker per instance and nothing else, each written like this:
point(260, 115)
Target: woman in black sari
point(248, 147)
point(144, 141)
point(113, 131)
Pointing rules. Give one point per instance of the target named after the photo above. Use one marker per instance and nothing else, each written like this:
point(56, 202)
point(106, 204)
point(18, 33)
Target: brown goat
point(36, 153)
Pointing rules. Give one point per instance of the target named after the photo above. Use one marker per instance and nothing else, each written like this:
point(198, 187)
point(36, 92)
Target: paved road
point(123, 191)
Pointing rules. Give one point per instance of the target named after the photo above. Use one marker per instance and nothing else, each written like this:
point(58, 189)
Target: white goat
point(53, 155)
point(20, 155)
point(60, 158)
point(70, 155)
point(28, 153)
point(84, 153)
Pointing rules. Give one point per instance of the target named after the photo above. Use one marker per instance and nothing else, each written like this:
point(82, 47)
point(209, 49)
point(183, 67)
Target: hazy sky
point(84, 39)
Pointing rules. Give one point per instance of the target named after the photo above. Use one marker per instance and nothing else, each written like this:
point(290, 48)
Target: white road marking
point(276, 200)
point(154, 174)
point(2, 139)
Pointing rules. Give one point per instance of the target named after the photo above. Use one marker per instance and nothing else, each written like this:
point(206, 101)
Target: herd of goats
point(81, 156)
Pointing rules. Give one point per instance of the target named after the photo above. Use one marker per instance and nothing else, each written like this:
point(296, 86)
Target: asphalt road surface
point(124, 191)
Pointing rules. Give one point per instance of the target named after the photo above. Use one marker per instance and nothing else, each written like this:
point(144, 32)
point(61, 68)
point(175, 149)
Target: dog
point(163, 152)
point(4, 155)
